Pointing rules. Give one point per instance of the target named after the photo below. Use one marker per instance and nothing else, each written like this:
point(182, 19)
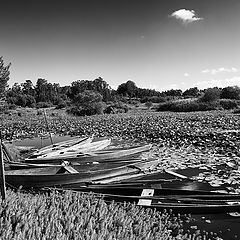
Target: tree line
point(44, 93)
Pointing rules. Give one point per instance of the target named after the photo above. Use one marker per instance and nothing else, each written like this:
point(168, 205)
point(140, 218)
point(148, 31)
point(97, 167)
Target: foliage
point(236, 111)
point(4, 77)
point(228, 104)
point(82, 216)
point(187, 106)
point(231, 93)
point(173, 92)
point(98, 85)
point(211, 95)
point(87, 103)
point(61, 104)
point(154, 99)
point(116, 107)
point(191, 92)
point(43, 105)
point(127, 89)
point(149, 104)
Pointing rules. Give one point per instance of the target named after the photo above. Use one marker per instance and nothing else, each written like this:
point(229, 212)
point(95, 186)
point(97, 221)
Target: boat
point(79, 148)
point(69, 144)
point(177, 200)
point(92, 156)
point(12, 165)
point(75, 175)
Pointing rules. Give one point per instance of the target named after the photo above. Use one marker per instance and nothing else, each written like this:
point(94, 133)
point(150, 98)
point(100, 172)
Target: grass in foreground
point(71, 215)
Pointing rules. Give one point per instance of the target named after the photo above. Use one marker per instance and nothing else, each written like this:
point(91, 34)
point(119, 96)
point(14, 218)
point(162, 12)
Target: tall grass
point(71, 215)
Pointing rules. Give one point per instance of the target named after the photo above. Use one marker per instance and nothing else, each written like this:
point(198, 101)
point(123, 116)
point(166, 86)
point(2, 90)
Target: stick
point(2, 174)
point(45, 117)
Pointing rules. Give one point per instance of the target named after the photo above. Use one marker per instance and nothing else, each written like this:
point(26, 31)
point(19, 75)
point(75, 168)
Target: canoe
point(58, 147)
point(65, 175)
point(99, 156)
point(179, 201)
point(22, 165)
point(79, 148)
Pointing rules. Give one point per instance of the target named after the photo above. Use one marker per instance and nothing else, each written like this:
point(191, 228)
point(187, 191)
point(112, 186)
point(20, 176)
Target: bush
point(237, 111)
point(80, 111)
point(231, 93)
point(61, 104)
point(211, 95)
point(187, 106)
point(153, 99)
point(43, 105)
point(228, 104)
point(117, 107)
point(148, 104)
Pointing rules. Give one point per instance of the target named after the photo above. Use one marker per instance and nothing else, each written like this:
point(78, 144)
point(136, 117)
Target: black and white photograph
point(120, 119)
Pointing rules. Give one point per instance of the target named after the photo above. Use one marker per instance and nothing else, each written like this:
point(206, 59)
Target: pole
point(2, 173)
point(45, 117)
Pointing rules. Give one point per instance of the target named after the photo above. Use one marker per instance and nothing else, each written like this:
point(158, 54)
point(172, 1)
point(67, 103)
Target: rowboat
point(178, 200)
point(58, 147)
point(79, 148)
point(11, 165)
point(74, 175)
point(92, 156)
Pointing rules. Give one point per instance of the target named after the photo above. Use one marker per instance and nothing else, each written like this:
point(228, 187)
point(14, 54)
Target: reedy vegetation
point(72, 215)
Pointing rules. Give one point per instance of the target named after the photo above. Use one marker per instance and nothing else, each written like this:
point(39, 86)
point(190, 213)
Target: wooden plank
point(146, 202)
point(2, 173)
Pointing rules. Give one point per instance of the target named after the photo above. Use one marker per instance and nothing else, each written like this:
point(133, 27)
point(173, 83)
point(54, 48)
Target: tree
point(127, 89)
point(4, 77)
point(88, 103)
point(211, 95)
point(191, 92)
point(28, 88)
point(231, 93)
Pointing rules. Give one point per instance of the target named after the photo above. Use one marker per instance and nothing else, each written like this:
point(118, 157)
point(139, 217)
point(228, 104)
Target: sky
point(158, 44)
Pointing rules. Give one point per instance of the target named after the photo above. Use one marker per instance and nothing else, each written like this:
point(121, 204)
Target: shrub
point(211, 95)
point(61, 104)
point(187, 106)
point(149, 104)
point(117, 107)
point(43, 105)
point(228, 104)
point(236, 111)
point(231, 93)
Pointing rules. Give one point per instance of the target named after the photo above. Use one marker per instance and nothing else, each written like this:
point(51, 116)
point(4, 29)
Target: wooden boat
point(79, 148)
point(180, 201)
point(69, 175)
point(99, 156)
point(69, 144)
point(22, 165)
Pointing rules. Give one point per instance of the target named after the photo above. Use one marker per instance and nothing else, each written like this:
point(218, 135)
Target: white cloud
point(186, 16)
point(220, 70)
point(186, 74)
point(219, 82)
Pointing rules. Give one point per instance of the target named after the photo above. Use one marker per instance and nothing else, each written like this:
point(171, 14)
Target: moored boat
point(79, 148)
point(58, 147)
point(68, 175)
point(91, 156)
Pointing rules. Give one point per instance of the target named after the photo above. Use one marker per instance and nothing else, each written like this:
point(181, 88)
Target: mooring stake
point(2, 173)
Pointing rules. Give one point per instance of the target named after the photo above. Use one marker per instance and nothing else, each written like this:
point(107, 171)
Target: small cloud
point(142, 37)
point(220, 70)
point(186, 75)
point(205, 71)
point(219, 82)
point(186, 16)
